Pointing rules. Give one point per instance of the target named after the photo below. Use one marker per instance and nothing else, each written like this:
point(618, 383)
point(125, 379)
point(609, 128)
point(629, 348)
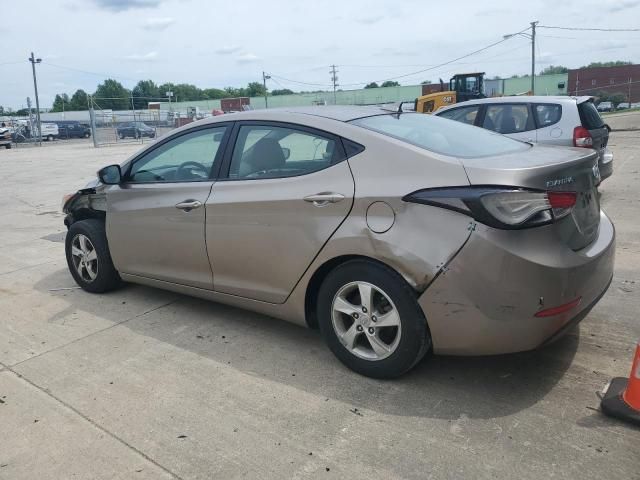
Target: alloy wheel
point(85, 258)
point(366, 321)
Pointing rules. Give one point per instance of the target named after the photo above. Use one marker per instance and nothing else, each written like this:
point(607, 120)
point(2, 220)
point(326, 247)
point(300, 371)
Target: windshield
point(440, 135)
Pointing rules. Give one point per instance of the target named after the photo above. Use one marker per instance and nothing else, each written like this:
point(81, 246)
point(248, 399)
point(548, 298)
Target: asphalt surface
point(141, 383)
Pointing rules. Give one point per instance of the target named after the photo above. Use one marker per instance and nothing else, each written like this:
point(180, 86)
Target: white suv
point(565, 121)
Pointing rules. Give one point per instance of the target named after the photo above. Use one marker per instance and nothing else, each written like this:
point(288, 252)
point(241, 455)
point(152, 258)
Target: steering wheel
point(189, 166)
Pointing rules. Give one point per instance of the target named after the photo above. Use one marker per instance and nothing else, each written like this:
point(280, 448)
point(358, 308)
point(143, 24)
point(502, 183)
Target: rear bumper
point(605, 164)
point(486, 299)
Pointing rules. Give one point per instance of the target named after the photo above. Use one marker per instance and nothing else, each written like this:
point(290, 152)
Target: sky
point(219, 43)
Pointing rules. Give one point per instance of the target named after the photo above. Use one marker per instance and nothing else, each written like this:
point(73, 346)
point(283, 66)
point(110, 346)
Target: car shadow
point(257, 345)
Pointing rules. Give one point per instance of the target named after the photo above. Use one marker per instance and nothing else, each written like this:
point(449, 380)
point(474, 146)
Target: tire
point(137, 135)
point(407, 343)
point(8, 146)
point(121, 135)
point(86, 135)
point(99, 275)
point(49, 138)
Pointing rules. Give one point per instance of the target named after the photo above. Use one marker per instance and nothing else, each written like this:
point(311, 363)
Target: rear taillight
point(582, 138)
point(505, 208)
point(562, 202)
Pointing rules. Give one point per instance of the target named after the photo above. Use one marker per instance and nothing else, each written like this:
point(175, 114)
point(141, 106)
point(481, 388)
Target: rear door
point(512, 119)
point(286, 191)
point(550, 130)
point(592, 121)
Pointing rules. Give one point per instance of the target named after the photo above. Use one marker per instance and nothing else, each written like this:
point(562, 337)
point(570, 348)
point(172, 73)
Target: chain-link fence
point(110, 127)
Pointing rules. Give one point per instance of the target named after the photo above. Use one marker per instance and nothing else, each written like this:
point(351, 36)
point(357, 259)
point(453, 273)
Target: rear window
point(440, 135)
point(589, 116)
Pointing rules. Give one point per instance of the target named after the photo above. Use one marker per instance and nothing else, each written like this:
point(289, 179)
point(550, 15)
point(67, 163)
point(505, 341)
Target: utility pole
point(265, 77)
point(334, 80)
point(33, 61)
point(533, 57)
point(629, 95)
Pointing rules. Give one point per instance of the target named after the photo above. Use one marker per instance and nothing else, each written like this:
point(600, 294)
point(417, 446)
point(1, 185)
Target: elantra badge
point(559, 181)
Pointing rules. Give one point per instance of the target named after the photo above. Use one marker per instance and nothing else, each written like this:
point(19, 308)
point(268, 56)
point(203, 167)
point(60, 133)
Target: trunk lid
point(592, 121)
point(549, 168)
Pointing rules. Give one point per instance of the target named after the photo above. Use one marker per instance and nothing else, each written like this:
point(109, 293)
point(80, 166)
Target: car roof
point(334, 112)
point(521, 99)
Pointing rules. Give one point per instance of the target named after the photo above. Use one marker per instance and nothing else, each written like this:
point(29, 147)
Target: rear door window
point(508, 118)
point(589, 116)
point(547, 114)
point(462, 114)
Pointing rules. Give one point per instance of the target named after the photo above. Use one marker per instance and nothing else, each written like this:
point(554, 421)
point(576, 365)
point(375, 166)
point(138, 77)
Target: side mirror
point(110, 175)
point(606, 125)
point(287, 152)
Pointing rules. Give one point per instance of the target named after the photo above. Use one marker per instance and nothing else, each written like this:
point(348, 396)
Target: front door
point(156, 217)
point(287, 190)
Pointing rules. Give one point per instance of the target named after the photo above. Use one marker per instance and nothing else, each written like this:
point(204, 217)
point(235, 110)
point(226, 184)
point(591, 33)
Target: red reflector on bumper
point(550, 312)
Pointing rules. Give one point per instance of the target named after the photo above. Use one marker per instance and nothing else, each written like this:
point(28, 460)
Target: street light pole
point(33, 61)
point(265, 77)
point(533, 57)
point(532, 36)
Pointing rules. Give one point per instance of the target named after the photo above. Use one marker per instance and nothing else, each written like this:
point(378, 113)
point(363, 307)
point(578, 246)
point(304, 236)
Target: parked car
point(49, 131)
point(564, 121)
point(135, 130)
point(605, 106)
point(73, 129)
point(5, 137)
point(395, 234)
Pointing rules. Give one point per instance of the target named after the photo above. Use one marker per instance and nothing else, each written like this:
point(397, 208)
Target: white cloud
point(247, 58)
point(228, 49)
point(120, 5)
point(620, 5)
point(370, 20)
point(158, 24)
point(142, 57)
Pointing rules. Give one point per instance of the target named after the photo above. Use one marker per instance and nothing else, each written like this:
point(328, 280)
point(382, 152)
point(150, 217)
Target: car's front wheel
point(370, 318)
point(88, 256)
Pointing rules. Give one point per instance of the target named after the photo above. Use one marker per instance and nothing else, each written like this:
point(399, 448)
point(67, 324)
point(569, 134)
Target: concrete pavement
point(141, 383)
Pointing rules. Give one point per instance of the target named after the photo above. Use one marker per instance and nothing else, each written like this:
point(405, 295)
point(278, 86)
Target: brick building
point(624, 80)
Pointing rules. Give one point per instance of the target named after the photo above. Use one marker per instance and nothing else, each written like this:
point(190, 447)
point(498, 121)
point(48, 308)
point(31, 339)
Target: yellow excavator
point(462, 87)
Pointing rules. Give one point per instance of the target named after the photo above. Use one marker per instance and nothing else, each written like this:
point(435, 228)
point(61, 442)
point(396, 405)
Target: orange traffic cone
point(622, 398)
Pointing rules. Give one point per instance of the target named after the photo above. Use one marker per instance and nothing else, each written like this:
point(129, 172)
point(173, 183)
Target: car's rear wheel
point(370, 318)
point(86, 135)
point(88, 257)
point(121, 135)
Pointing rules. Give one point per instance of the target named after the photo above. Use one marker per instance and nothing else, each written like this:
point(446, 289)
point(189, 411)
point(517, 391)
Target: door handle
point(188, 205)
point(324, 198)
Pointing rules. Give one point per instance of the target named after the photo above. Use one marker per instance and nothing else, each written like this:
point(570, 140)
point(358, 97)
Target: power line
point(104, 75)
point(592, 29)
point(431, 67)
point(444, 63)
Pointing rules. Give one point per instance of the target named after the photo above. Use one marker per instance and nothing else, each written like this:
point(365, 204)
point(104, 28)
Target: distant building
point(624, 79)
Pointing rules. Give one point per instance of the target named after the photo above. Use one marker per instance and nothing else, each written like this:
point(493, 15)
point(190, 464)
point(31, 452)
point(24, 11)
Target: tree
point(235, 92)
point(79, 100)
point(390, 83)
point(282, 91)
point(61, 103)
point(425, 82)
point(615, 63)
point(554, 69)
point(371, 85)
point(255, 89)
point(111, 94)
point(214, 93)
point(144, 92)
